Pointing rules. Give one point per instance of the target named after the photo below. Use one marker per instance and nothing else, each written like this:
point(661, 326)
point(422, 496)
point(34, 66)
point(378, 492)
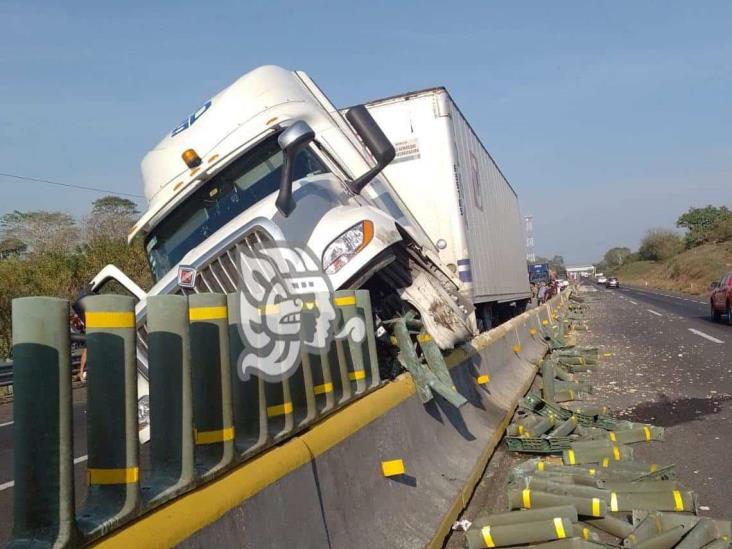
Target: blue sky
point(609, 118)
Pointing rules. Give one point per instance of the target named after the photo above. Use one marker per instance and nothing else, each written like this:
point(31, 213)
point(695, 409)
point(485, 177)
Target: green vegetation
point(668, 260)
point(51, 253)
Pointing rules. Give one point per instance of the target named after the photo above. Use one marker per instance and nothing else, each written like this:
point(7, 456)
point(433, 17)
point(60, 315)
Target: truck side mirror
point(381, 148)
point(291, 141)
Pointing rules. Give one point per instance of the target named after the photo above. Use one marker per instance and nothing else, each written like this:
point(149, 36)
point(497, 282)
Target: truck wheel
point(716, 315)
point(439, 309)
point(729, 313)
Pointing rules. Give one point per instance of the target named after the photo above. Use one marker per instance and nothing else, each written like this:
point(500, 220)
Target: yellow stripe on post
point(540, 466)
point(207, 313)
point(345, 301)
point(678, 501)
point(127, 475)
point(482, 380)
point(212, 437)
point(99, 319)
point(605, 462)
point(393, 467)
point(570, 457)
point(616, 453)
point(611, 436)
point(532, 331)
point(586, 533)
point(323, 389)
point(613, 502)
point(279, 409)
point(653, 467)
point(424, 338)
point(517, 348)
point(487, 538)
point(647, 432)
point(559, 528)
point(356, 375)
point(596, 507)
point(526, 498)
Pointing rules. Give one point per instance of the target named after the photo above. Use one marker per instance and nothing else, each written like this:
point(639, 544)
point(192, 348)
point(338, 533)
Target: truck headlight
point(347, 245)
point(143, 411)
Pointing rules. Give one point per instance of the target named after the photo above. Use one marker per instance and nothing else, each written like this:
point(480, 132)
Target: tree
point(41, 231)
point(615, 257)
point(11, 247)
point(660, 244)
point(700, 222)
point(110, 218)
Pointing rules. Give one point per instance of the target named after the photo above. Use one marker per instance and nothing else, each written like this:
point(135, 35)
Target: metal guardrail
point(6, 368)
point(205, 419)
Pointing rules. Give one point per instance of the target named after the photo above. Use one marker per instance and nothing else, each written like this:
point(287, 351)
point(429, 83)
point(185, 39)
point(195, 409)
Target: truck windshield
point(237, 187)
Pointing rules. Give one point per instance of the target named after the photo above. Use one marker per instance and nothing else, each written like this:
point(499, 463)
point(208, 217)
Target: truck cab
point(270, 159)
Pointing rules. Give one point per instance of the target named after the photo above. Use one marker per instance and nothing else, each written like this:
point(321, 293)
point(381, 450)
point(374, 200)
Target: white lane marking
point(633, 302)
point(654, 312)
point(6, 423)
point(705, 336)
point(11, 483)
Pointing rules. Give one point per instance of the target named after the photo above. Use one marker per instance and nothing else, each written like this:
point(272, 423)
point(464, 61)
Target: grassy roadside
point(690, 271)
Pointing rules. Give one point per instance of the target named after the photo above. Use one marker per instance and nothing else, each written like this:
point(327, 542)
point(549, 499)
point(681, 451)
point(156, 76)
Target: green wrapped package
point(519, 534)
point(579, 455)
point(647, 486)
point(665, 540)
point(672, 500)
point(529, 499)
point(545, 485)
point(531, 515)
point(615, 526)
point(704, 532)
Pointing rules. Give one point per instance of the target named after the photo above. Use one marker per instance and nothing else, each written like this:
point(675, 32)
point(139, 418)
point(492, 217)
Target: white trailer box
point(458, 194)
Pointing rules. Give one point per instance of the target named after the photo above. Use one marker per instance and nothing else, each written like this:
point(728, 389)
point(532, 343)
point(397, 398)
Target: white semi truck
point(270, 159)
point(451, 184)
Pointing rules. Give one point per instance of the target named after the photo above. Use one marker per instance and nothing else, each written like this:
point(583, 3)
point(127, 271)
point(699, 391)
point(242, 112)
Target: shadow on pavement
point(667, 413)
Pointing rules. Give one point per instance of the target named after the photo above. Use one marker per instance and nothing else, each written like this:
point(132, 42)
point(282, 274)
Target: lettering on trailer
point(190, 120)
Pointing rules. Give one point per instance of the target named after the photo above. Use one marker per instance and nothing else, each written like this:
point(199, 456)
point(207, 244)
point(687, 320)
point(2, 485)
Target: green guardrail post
point(351, 351)
point(112, 440)
point(213, 424)
point(43, 498)
point(171, 409)
point(250, 418)
point(547, 380)
point(363, 306)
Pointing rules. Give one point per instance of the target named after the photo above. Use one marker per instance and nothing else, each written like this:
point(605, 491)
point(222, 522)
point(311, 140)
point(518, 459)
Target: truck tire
point(439, 308)
point(729, 313)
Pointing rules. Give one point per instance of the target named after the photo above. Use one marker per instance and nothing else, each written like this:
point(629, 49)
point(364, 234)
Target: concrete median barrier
point(324, 482)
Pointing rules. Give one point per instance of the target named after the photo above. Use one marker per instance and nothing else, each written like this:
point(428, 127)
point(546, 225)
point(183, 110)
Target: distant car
point(601, 279)
point(612, 282)
point(720, 301)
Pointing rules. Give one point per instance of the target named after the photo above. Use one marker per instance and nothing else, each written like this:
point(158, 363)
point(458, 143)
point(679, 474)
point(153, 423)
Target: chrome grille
point(217, 275)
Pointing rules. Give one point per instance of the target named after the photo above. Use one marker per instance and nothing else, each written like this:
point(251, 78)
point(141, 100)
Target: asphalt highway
point(669, 365)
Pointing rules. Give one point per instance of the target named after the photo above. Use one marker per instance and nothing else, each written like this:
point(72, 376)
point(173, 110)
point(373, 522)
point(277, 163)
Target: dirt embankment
point(690, 271)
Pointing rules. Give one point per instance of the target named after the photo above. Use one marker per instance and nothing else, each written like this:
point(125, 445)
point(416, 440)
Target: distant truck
point(453, 187)
point(539, 272)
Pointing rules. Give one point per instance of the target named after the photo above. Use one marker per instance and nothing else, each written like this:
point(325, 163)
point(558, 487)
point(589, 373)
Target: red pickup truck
point(721, 299)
